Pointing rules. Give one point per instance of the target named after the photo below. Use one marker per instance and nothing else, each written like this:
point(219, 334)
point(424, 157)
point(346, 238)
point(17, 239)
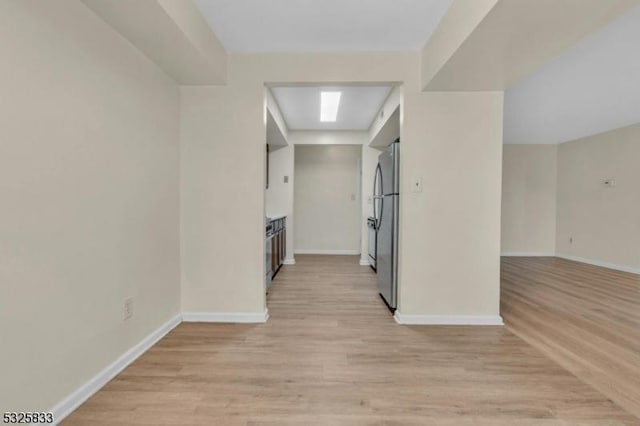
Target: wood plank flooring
point(584, 317)
point(331, 354)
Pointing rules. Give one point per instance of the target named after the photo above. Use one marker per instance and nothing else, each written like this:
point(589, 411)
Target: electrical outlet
point(570, 240)
point(286, 179)
point(127, 310)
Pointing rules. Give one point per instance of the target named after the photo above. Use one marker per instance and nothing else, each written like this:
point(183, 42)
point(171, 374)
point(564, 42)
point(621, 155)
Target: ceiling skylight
point(329, 104)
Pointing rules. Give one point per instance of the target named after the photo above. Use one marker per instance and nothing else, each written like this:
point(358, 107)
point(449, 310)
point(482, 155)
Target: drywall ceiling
point(515, 38)
point(323, 26)
point(591, 88)
point(300, 106)
point(171, 33)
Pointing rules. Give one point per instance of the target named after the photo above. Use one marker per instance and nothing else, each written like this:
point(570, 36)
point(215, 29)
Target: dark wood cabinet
point(278, 244)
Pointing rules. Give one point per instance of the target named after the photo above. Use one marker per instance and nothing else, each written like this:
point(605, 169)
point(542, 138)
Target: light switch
point(286, 179)
point(416, 184)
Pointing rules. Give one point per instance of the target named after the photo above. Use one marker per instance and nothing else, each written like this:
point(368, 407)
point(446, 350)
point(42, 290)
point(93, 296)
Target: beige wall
point(449, 253)
point(327, 199)
point(529, 199)
point(604, 222)
point(329, 137)
point(277, 131)
point(222, 160)
point(450, 247)
point(89, 190)
point(279, 198)
point(456, 26)
point(381, 132)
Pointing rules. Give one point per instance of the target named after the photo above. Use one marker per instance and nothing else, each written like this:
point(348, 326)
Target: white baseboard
point(291, 261)
point(527, 254)
point(365, 262)
point(337, 252)
point(600, 263)
point(448, 319)
point(84, 392)
point(233, 317)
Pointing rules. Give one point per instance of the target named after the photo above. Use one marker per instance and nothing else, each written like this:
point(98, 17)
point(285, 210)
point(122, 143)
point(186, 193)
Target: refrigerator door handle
point(379, 223)
point(377, 196)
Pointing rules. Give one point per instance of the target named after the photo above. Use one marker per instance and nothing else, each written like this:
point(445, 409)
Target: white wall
point(604, 222)
point(279, 195)
point(327, 199)
point(529, 176)
point(449, 244)
point(89, 190)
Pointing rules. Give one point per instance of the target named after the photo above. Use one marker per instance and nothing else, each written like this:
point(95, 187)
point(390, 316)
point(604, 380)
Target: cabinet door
point(274, 256)
point(279, 247)
point(284, 244)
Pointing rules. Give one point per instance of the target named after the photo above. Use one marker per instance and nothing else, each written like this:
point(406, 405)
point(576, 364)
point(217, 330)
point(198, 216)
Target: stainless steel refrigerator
point(386, 206)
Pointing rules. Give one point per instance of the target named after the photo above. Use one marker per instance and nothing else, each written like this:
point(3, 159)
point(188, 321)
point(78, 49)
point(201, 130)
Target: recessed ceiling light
point(329, 103)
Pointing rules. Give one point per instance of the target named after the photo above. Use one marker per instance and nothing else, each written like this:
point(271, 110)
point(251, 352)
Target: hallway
point(331, 354)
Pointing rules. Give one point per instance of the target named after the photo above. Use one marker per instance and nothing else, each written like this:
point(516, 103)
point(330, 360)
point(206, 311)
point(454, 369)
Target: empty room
point(292, 212)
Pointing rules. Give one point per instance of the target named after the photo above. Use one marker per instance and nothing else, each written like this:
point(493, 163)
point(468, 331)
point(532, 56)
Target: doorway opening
point(323, 144)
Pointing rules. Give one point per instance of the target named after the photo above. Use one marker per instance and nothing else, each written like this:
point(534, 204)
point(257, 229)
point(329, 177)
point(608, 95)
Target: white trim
point(365, 262)
point(600, 263)
point(338, 252)
point(527, 254)
point(233, 317)
point(448, 319)
point(84, 392)
point(291, 261)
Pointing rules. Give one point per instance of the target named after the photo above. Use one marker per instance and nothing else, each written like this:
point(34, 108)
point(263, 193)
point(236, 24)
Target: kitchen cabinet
point(278, 244)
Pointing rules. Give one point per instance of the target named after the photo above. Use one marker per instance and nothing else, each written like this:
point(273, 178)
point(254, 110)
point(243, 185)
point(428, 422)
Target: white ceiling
point(300, 106)
point(323, 25)
point(591, 88)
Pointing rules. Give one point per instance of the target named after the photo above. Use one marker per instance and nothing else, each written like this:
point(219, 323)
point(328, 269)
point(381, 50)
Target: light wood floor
point(332, 355)
point(584, 317)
